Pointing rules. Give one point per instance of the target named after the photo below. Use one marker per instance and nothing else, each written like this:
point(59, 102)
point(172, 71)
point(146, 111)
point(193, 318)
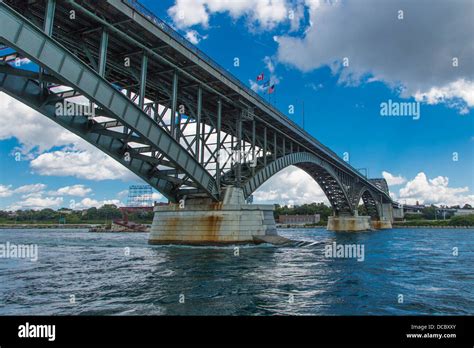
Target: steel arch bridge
point(159, 106)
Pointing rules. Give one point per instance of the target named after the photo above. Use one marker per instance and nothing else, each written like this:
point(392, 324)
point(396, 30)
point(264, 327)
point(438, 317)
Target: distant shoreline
point(47, 226)
point(87, 226)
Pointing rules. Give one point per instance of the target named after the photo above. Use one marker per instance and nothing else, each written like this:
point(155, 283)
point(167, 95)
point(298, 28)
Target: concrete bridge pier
point(349, 223)
point(354, 223)
point(386, 218)
point(382, 224)
point(201, 221)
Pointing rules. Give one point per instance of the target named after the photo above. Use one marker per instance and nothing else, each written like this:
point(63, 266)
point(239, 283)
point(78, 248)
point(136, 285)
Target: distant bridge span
point(162, 108)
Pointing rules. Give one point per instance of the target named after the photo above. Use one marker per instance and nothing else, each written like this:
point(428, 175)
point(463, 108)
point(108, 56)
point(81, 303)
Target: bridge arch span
point(317, 168)
point(370, 203)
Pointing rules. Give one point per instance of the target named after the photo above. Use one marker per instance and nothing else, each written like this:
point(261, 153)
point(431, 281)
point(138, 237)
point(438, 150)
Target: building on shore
point(413, 209)
point(299, 219)
point(463, 212)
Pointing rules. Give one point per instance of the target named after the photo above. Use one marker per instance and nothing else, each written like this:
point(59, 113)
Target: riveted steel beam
point(174, 102)
point(104, 42)
point(143, 78)
point(264, 146)
point(49, 17)
point(198, 123)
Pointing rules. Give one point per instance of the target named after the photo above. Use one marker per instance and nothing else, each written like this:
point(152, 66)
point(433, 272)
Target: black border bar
point(166, 330)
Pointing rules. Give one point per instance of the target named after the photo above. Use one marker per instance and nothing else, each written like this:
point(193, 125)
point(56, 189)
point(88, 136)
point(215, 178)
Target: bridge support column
point(381, 224)
point(348, 223)
point(203, 222)
point(386, 219)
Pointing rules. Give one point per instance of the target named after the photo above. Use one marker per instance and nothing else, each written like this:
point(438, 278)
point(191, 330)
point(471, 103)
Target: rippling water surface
point(263, 280)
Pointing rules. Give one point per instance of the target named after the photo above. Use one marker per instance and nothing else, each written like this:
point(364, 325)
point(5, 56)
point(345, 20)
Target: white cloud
point(5, 191)
point(37, 203)
point(26, 191)
point(393, 196)
point(89, 203)
point(30, 128)
point(269, 64)
point(186, 13)
point(264, 14)
point(29, 189)
point(122, 194)
point(458, 94)
point(256, 87)
point(38, 134)
point(194, 37)
point(290, 186)
point(392, 179)
point(296, 15)
point(413, 55)
point(36, 197)
point(91, 165)
point(434, 191)
point(75, 190)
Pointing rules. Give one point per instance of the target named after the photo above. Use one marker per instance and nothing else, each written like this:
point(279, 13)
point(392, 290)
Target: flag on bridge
point(260, 77)
point(271, 89)
point(266, 84)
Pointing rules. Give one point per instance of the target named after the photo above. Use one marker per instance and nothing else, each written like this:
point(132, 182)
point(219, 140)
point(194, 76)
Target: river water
point(403, 272)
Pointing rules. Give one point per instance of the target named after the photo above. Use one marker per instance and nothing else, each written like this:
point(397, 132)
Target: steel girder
point(19, 33)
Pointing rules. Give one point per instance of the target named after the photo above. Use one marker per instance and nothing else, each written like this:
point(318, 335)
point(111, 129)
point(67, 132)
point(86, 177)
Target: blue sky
point(302, 55)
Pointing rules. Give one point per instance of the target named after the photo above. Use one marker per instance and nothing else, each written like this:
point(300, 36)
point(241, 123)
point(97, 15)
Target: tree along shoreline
point(283, 226)
point(103, 216)
point(51, 226)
